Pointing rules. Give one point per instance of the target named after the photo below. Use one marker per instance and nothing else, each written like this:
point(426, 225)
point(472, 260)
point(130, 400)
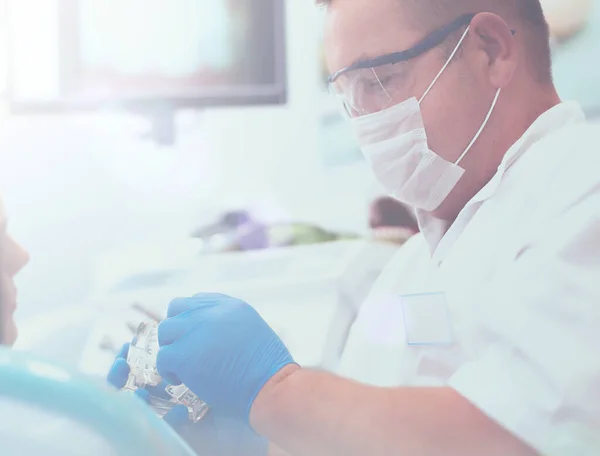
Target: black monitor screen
point(191, 52)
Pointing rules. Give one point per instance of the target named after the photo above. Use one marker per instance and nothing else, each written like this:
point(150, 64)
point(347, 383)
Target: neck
point(539, 103)
point(532, 102)
point(488, 155)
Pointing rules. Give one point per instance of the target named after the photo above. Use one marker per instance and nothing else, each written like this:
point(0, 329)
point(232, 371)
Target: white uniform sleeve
point(537, 365)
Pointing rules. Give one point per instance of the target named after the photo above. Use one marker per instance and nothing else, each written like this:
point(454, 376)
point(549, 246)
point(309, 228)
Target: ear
point(497, 41)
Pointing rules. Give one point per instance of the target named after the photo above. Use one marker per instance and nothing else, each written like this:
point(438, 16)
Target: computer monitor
point(145, 55)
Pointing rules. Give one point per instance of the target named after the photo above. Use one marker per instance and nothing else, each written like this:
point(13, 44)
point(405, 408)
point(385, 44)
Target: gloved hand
point(221, 349)
point(213, 435)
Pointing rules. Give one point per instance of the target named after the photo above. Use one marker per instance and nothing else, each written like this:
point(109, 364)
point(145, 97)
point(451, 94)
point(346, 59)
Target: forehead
point(364, 29)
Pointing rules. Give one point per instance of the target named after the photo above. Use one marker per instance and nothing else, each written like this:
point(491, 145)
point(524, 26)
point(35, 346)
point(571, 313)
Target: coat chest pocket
point(427, 320)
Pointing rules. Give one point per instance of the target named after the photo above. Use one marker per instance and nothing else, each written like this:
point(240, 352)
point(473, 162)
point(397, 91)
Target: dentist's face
point(459, 101)
point(12, 259)
point(365, 29)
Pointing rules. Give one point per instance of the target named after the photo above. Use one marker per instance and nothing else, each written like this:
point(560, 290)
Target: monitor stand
point(163, 130)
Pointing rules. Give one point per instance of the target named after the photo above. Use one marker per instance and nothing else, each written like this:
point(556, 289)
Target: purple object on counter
point(253, 236)
point(235, 219)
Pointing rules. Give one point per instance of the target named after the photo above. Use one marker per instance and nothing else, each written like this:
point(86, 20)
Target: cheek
point(9, 329)
point(452, 115)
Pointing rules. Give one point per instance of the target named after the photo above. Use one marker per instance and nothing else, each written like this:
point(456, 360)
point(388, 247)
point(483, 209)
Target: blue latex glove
point(221, 349)
point(212, 435)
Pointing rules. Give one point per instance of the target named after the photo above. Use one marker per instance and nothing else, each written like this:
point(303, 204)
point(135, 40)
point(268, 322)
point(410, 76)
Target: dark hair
point(432, 14)
point(386, 212)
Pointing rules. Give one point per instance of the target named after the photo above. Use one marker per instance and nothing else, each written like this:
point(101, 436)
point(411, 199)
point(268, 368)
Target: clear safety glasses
point(369, 90)
point(370, 86)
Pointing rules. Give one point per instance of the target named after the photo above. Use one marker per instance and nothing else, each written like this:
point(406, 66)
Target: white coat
point(517, 330)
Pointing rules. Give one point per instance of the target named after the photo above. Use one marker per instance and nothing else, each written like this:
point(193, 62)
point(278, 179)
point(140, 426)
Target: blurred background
point(152, 148)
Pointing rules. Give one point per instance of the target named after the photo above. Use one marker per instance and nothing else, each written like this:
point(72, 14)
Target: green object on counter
point(302, 234)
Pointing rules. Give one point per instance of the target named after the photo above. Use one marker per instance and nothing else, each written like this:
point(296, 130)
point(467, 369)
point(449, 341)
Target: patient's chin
point(9, 333)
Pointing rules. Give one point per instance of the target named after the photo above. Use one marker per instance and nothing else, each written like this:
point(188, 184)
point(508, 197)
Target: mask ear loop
point(483, 125)
point(464, 35)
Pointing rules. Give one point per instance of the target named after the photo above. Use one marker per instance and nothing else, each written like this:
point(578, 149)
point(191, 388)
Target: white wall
point(77, 186)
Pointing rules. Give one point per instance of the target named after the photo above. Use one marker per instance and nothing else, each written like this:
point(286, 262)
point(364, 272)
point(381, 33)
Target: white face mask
point(394, 143)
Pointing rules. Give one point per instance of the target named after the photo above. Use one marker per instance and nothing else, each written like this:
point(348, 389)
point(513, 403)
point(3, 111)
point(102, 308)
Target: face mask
point(394, 143)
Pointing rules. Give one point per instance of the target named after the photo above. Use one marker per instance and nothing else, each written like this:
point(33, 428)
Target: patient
point(12, 259)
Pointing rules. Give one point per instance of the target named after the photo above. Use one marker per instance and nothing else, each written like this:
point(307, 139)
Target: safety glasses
point(369, 86)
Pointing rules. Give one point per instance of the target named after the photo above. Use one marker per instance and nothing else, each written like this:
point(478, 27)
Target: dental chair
point(48, 410)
